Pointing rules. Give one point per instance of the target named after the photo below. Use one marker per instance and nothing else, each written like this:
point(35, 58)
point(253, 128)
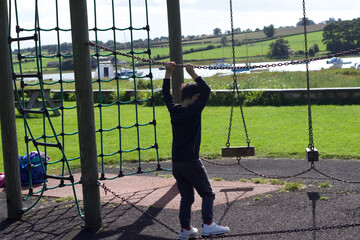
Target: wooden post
point(175, 44)
point(85, 113)
point(8, 123)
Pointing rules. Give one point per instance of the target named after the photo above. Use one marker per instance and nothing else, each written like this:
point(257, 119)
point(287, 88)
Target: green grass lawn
point(276, 132)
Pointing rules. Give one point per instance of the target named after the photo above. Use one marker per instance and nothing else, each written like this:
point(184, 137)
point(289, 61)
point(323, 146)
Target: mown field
point(252, 36)
point(257, 49)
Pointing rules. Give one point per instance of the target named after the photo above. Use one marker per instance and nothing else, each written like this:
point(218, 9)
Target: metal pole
point(176, 55)
point(85, 113)
point(8, 123)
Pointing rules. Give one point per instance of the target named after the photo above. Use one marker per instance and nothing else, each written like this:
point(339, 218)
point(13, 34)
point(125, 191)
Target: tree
point(316, 48)
point(67, 65)
point(237, 30)
point(217, 31)
point(269, 31)
point(52, 49)
point(331, 20)
point(342, 36)
point(308, 22)
point(109, 44)
point(313, 50)
point(223, 40)
point(279, 49)
point(66, 47)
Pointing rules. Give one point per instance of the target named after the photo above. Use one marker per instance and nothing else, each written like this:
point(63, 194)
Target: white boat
point(128, 73)
point(337, 62)
point(242, 70)
point(357, 66)
point(219, 65)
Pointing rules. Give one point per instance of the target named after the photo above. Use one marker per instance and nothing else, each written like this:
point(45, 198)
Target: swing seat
point(238, 151)
point(312, 155)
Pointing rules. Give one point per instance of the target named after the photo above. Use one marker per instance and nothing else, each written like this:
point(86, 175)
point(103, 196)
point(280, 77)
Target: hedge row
point(223, 98)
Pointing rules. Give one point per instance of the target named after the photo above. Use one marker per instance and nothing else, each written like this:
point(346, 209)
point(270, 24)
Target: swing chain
point(220, 164)
point(311, 138)
point(234, 76)
point(235, 86)
point(231, 117)
point(242, 116)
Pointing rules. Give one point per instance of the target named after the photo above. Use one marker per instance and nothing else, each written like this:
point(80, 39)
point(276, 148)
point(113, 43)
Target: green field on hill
point(256, 50)
point(296, 43)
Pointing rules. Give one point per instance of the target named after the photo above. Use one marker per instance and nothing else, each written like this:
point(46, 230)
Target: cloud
point(197, 16)
point(190, 2)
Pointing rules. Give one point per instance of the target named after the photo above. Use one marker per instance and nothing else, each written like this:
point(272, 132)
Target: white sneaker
point(214, 229)
point(186, 234)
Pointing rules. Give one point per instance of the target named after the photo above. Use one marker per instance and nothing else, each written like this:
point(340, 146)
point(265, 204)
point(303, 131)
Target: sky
point(197, 16)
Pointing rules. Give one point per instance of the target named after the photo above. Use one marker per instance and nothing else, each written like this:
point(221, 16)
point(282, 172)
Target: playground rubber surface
point(257, 210)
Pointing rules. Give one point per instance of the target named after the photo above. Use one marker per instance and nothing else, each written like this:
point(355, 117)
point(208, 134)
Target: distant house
point(105, 69)
point(52, 64)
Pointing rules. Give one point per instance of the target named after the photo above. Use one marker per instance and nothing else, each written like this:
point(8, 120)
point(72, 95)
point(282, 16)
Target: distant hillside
point(241, 37)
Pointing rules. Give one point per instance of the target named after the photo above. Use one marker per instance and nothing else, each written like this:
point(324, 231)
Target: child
point(187, 168)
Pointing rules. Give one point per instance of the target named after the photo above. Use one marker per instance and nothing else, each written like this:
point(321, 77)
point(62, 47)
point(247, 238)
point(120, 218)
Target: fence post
point(175, 45)
point(8, 123)
point(85, 113)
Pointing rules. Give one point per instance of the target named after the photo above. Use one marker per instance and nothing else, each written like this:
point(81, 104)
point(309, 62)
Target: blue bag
point(36, 170)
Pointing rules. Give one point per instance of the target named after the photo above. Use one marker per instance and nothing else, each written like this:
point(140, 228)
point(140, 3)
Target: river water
point(159, 74)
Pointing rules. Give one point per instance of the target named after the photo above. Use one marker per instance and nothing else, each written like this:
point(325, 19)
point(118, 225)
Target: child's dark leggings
point(190, 175)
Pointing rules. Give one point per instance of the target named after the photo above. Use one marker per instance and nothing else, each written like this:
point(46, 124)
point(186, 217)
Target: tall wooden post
point(174, 25)
point(8, 123)
point(85, 113)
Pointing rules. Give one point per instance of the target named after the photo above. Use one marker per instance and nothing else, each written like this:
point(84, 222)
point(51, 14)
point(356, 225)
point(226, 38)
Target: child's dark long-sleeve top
point(186, 122)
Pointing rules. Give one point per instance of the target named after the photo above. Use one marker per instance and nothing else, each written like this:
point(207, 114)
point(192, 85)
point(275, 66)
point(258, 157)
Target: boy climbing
point(188, 170)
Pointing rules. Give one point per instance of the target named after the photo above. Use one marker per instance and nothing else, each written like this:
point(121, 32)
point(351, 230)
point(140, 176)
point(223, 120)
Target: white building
point(106, 69)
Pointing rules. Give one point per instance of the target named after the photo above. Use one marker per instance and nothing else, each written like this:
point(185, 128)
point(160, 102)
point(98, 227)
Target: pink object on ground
point(2, 180)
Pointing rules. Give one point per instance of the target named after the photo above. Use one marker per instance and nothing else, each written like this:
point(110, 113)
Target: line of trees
point(269, 31)
point(342, 36)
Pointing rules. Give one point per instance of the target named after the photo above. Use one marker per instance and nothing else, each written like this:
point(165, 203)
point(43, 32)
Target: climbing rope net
point(56, 134)
point(122, 129)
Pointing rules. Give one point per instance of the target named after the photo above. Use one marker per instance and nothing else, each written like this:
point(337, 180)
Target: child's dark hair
point(188, 90)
